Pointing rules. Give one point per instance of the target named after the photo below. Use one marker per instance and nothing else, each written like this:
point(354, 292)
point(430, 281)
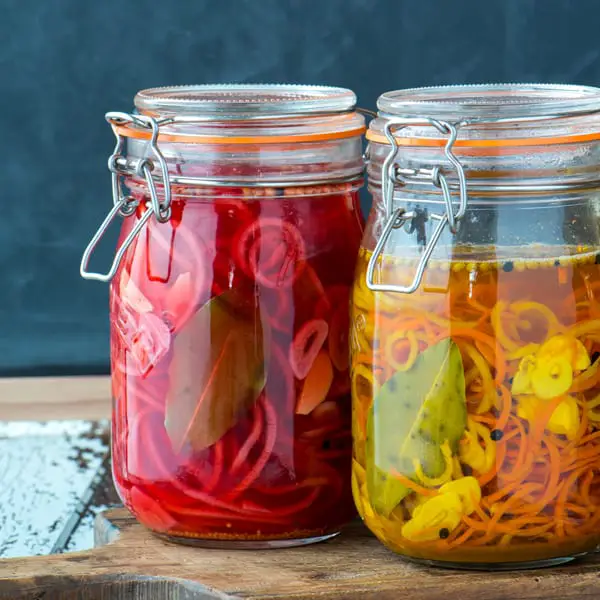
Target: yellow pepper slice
point(552, 378)
point(442, 512)
point(437, 513)
point(468, 489)
point(480, 456)
point(564, 347)
point(471, 453)
point(522, 379)
point(549, 372)
point(565, 419)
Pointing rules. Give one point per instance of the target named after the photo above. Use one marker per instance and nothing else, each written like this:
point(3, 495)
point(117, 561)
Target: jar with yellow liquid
point(475, 326)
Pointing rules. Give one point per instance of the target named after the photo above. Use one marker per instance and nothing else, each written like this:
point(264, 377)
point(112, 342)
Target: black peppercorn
point(508, 266)
point(496, 435)
point(557, 263)
point(444, 533)
point(391, 385)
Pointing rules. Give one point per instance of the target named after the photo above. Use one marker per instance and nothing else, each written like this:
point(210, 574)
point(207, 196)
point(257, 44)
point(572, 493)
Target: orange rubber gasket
point(538, 141)
point(140, 134)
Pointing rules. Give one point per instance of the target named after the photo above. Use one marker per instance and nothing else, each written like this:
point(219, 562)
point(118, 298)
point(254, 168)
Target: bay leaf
point(412, 415)
point(217, 370)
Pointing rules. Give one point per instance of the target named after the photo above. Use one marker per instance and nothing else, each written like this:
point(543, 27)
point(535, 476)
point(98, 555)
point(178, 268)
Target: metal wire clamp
point(126, 205)
point(398, 217)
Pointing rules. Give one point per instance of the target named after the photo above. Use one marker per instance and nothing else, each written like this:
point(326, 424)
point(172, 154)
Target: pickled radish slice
point(270, 428)
point(253, 437)
point(282, 265)
point(155, 517)
point(306, 346)
point(316, 386)
point(271, 251)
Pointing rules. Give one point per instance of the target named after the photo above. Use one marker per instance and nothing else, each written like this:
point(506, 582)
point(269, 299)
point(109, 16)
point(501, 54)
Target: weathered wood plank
point(103, 495)
point(354, 566)
point(38, 462)
point(46, 470)
point(54, 398)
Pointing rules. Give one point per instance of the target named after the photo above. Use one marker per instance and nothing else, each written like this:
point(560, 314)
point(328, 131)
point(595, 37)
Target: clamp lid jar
point(229, 311)
point(475, 326)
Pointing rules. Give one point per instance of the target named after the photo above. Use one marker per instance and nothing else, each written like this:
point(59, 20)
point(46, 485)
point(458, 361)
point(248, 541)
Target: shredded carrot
point(462, 539)
point(563, 276)
point(588, 379)
point(543, 486)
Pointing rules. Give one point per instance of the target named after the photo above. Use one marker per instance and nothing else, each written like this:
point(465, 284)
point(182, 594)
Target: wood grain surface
point(54, 477)
point(102, 495)
point(52, 398)
point(137, 565)
point(54, 469)
point(47, 478)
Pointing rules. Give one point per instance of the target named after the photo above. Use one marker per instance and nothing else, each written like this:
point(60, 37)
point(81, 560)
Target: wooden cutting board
point(129, 563)
point(132, 564)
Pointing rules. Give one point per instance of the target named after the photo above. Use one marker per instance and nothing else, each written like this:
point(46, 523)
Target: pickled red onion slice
point(271, 251)
point(306, 345)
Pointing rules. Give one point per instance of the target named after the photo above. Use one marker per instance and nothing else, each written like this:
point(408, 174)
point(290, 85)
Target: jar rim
point(246, 100)
point(503, 102)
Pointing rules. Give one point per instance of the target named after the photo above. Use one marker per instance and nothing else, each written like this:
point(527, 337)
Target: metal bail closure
point(126, 205)
point(398, 217)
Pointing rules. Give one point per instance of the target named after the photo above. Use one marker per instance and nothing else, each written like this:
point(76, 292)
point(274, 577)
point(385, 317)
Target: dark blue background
point(64, 63)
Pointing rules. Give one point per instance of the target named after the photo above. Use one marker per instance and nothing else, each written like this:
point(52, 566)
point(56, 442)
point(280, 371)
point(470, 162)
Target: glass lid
point(490, 102)
point(246, 100)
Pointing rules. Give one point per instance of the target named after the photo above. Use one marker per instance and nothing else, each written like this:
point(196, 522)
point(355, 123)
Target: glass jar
point(229, 311)
point(475, 335)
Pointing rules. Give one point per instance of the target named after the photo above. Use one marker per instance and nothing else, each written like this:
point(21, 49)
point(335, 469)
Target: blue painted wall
point(64, 63)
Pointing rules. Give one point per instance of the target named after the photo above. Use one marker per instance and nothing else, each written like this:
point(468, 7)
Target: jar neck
point(510, 172)
point(330, 161)
point(500, 225)
point(507, 138)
